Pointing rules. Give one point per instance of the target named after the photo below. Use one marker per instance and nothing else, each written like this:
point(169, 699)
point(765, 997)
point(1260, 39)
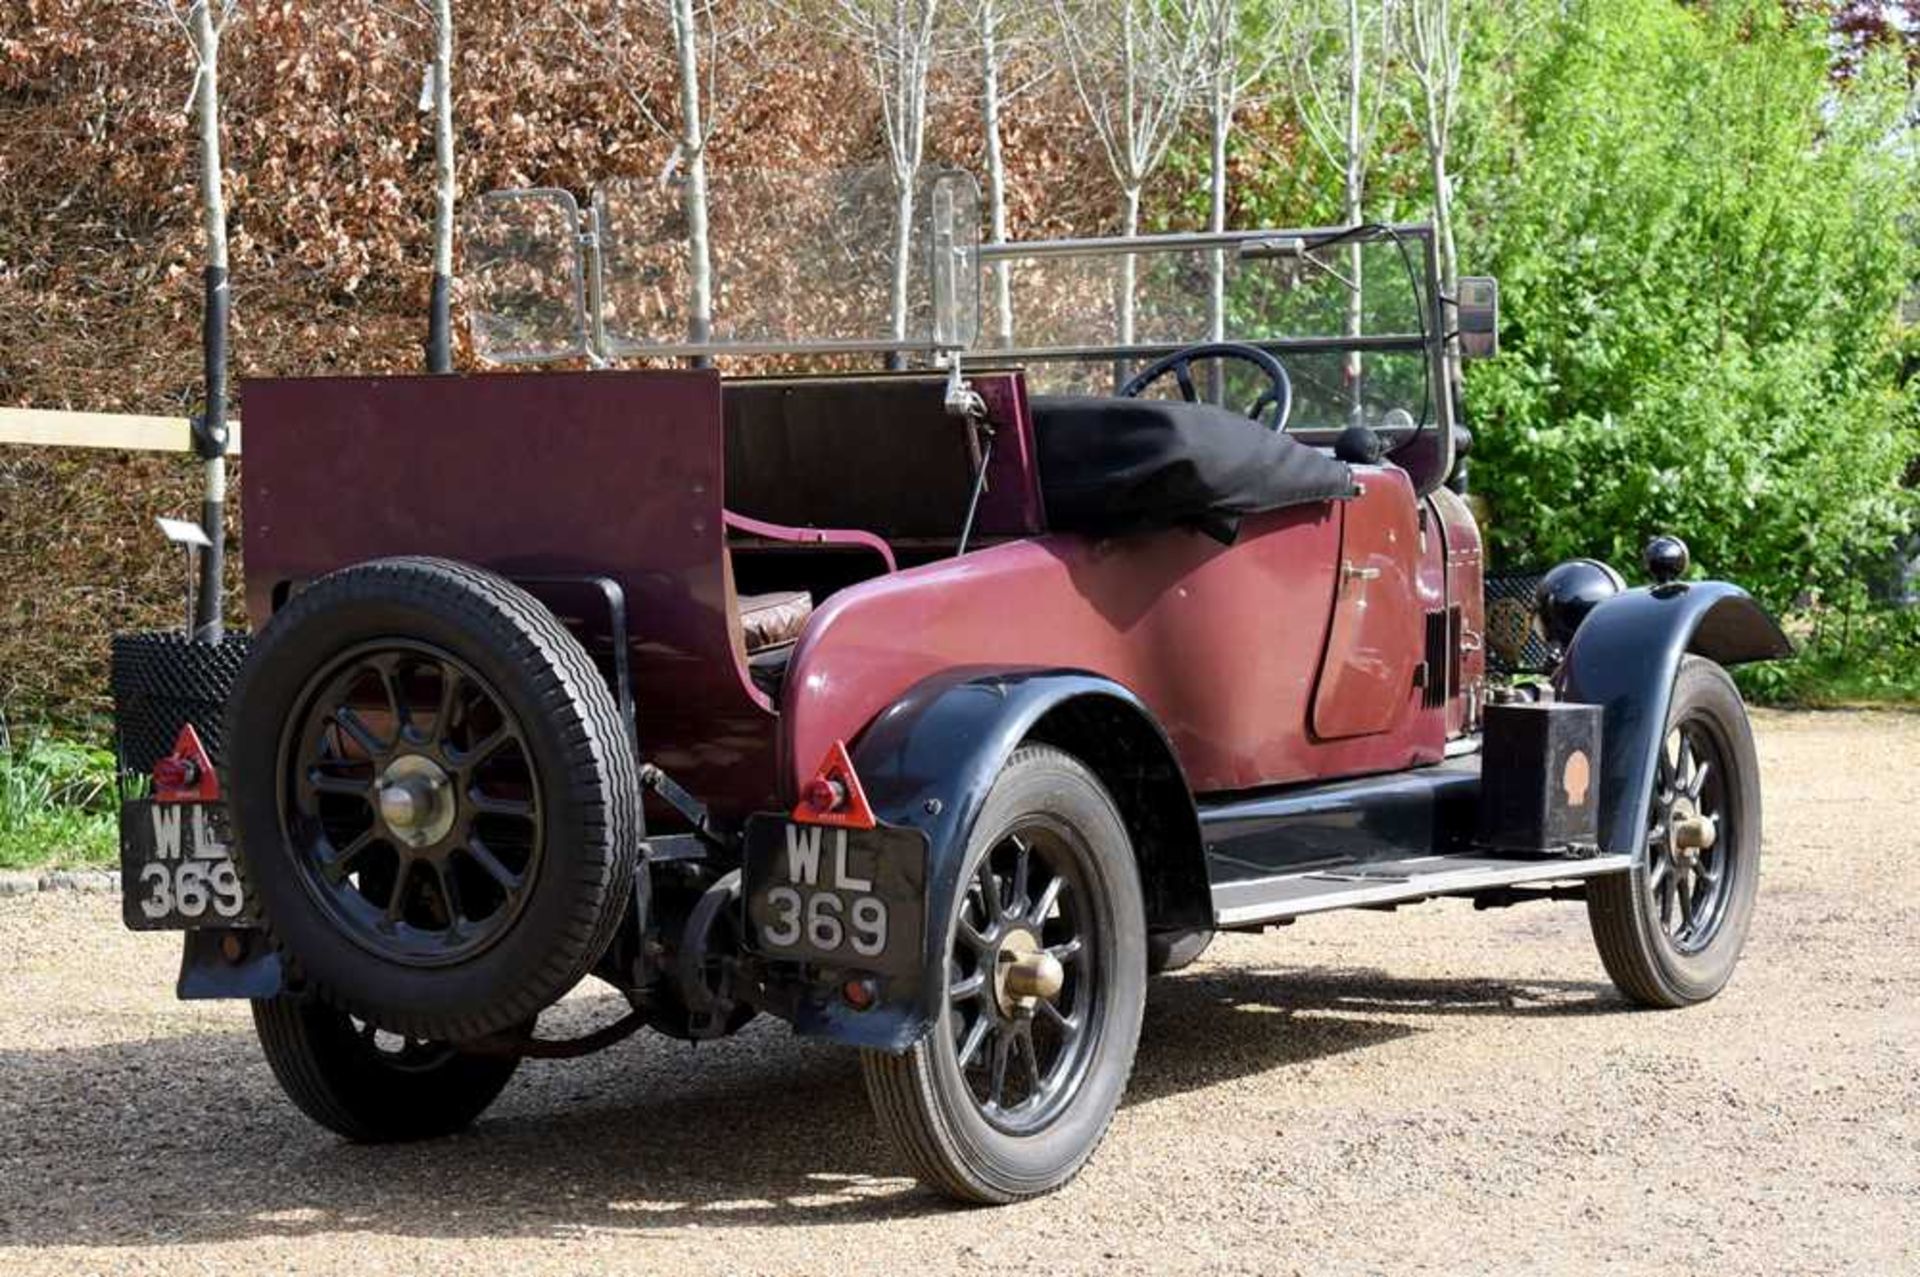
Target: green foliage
point(1873, 657)
point(57, 802)
point(1700, 247)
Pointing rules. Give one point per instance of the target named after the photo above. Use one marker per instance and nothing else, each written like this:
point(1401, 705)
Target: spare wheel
point(436, 805)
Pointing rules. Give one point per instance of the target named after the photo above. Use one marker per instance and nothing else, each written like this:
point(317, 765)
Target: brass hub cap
point(1024, 973)
point(415, 800)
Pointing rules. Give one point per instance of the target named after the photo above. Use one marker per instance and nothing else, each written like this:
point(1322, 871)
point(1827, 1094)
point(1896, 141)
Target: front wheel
point(1671, 929)
point(370, 1086)
point(1011, 1090)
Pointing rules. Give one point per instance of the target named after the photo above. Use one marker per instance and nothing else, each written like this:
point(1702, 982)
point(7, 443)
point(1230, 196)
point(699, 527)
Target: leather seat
point(769, 621)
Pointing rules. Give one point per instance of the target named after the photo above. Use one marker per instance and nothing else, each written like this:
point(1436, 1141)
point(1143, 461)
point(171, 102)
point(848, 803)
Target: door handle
point(1348, 572)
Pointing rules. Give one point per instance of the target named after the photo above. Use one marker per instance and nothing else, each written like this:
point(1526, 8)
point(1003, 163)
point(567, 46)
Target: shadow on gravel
point(187, 1139)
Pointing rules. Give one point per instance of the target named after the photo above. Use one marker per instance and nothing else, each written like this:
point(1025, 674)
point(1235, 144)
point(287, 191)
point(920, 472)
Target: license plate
point(176, 867)
point(849, 898)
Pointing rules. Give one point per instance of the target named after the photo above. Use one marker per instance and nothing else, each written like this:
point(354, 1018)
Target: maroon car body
point(622, 475)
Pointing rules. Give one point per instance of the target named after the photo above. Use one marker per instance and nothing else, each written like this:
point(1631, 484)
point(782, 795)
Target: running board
point(1248, 902)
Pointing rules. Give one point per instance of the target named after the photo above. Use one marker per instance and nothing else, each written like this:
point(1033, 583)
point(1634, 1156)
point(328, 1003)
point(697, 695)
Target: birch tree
point(202, 22)
point(1432, 35)
point(899, 41)
point(1134, 65)
point(1340, 99)
point(988, 20)
point(1239, 51)
point(706, 38)
point(436, 96)
point(1003, 29)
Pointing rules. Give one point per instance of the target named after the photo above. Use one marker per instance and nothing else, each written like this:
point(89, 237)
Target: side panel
point(1624, 658)
point(1466, 597)
point(1375, 640)
point(613, 474)
point(1221, 643)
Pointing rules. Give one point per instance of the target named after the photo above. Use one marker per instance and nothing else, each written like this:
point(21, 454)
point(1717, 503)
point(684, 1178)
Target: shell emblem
point(1576, 778)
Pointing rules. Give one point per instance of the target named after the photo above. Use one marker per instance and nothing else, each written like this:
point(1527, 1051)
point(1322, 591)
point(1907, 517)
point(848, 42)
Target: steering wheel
point(1279, 392)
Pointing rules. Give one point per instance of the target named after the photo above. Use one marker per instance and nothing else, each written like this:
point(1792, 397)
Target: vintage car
point(929, 708)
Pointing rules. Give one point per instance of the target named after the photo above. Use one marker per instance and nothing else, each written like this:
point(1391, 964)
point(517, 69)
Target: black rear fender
point(929, 760)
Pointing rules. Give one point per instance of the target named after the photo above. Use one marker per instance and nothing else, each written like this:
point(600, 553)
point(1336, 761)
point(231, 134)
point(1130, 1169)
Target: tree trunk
point(439, 309)
point(211, 441)
point(1355, 205)
point(694, 195)
point(996, 172)
point(1444, 246)
point(1123, 299)
point(902, 246)
point(1222, 121)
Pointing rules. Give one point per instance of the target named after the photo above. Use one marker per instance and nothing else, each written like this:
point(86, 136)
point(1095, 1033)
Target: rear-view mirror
point(1477, 312)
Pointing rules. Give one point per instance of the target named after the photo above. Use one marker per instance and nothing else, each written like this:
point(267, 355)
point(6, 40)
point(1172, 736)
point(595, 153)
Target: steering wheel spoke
point(1278, 396)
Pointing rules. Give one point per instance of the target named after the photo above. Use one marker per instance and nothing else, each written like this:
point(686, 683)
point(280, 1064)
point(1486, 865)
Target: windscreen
point(794, 262)
point(1084, 318)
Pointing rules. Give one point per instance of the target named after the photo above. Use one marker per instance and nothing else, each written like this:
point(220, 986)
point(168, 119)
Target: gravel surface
point(1431, 1090)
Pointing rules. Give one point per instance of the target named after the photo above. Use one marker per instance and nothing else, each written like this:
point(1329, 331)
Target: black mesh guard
point(163, 680)
point(1514, 643)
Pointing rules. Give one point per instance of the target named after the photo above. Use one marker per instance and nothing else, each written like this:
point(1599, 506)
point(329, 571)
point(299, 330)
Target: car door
point(1374, 642)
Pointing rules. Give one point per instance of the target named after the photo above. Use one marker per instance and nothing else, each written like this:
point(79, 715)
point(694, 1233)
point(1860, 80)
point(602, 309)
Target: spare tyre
point(436, 805)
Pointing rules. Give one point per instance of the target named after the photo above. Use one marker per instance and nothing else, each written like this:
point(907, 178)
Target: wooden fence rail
point(53, 428)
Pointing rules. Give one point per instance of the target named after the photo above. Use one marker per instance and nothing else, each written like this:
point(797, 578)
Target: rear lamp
point(823, 795)
point(174, 773)
point(860, 993)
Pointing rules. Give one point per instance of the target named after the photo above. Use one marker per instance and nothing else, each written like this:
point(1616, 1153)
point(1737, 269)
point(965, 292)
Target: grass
point(58, 804)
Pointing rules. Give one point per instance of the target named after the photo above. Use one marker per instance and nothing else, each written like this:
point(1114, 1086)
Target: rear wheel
point(372, 1086)
point(1671, 929)
point(1011, 1090)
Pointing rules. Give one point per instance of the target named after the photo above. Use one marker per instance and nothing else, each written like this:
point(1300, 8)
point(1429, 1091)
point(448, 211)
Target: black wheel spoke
point(970, 987)
point(397, 897)
point(388, 670)
point(1023, 1041)
point(990, 891)
point(480, 854)
point(973, 937)
point(1049, 897)
point(487, 747)
point(347, 786)
point(1067, 951)
point(1022, 861)
point(340, 864)
point(1002, 1056)
point(982, 1026)
point(352, 724)
point(449, 890)
point(487, 805)
point(451, 683)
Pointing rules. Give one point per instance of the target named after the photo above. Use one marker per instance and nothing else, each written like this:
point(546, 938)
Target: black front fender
point(1624, 658)
point(927, 762)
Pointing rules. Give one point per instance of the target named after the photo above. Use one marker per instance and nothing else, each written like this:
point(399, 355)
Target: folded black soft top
point(1109, 466)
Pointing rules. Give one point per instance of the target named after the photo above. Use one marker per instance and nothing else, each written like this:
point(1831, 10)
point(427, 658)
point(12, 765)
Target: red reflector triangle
point(852, 810)
point(205, 787)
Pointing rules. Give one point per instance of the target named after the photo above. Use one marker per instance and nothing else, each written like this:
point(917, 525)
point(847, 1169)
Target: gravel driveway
point(1434, 1090)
